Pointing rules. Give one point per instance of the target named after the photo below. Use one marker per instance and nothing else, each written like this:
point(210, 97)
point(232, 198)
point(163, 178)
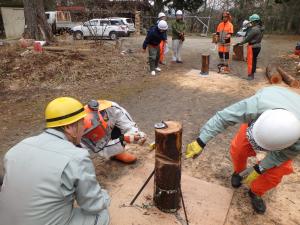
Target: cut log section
point(272, 74)
point(205, 65)
point(167, 178)
point(288, 79)
point(238, 53)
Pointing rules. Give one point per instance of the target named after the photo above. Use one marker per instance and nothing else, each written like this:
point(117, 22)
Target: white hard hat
point(276, 129)
point(178, 13)
point(161, 14)
point(245, 23)
point(162, 25)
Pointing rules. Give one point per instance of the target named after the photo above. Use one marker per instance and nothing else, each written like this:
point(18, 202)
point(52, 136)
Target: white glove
point(135, 138)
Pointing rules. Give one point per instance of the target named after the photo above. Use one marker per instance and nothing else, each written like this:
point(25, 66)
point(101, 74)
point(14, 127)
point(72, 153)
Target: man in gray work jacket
point(46, 174)
point(270, 123)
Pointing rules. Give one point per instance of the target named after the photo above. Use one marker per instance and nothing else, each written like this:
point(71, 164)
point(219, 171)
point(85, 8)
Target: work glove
point(193, 150)
point(135, 138)
point(253, 175)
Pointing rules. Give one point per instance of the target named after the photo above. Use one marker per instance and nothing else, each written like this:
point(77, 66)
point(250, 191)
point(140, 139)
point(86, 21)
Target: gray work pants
point(153, 57)
point(177, 46)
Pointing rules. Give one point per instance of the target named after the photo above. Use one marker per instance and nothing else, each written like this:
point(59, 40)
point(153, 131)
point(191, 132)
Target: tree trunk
point(272, 74)
point(36, 26)
point(167, 177)
point(205, 64)
point(289, 79)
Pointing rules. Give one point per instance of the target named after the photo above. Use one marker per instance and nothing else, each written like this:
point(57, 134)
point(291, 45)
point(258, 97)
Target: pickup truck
point(60, 21)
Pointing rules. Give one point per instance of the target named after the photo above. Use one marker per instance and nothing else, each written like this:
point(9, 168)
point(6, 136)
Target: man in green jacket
point(178, 29)
point(253, 37)
point(269, 122)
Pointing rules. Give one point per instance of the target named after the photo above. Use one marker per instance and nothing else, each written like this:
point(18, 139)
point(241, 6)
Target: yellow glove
point(193, 150)
point(251, 177)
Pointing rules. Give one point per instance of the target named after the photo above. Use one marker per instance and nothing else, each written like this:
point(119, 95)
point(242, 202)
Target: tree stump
point(288, 79)
point(167, 178)
point(205, 64)
point(238, 53)
point(272, 74)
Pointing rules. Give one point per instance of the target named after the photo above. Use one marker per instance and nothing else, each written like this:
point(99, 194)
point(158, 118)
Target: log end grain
point(173, 127)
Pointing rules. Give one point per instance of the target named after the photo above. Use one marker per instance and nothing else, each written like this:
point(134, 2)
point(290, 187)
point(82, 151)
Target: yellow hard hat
point(63, 111)
point(104, 104)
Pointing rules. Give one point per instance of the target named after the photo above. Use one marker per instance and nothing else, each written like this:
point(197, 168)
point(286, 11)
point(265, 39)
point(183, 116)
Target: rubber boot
point(236, 180)
point(125, 157)
point(257, 202)
point(250, 77)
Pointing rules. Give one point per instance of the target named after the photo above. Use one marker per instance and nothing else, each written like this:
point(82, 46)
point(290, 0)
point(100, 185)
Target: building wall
point(14, 21)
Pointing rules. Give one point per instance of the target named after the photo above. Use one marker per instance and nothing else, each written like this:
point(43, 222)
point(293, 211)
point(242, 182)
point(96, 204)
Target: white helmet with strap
point(276, 129)
point(162, 25)
point(246, 23)
point(161, 14)
point(179, 13)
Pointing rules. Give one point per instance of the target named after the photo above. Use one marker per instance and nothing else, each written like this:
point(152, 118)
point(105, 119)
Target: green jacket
point(254, 36)
point(248, 110)
point(177, 28)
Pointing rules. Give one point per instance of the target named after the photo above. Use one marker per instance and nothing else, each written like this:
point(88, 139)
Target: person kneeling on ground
point(155, 35)
point(108, 128)
point(46, 174)
point(270, 123)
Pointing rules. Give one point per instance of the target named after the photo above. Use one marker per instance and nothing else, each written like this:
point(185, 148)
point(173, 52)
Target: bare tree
point(36, 26)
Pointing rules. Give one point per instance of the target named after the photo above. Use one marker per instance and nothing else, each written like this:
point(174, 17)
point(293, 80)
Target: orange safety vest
point(94, 125)
point(223, 30)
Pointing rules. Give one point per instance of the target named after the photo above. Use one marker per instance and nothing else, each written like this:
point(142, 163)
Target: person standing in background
point(224, 32)
point(178, 30)
point(163, 43)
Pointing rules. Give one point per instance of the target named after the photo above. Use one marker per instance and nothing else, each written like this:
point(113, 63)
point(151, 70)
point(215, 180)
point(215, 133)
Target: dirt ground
point(29, 82)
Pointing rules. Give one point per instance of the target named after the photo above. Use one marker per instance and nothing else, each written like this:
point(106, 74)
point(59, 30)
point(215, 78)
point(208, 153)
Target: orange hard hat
point(226, 14)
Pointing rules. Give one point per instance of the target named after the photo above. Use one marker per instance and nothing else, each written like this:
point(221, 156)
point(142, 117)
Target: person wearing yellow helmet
point(53, 172)
point(109, 128)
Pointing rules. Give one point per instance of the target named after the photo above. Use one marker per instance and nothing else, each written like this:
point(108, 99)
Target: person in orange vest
point(224, 32)
point(163, 43)
point(108, 128)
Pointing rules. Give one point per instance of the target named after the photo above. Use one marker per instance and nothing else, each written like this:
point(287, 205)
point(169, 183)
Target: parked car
point(60, 21)
point(101, 28)
point(128, 22)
